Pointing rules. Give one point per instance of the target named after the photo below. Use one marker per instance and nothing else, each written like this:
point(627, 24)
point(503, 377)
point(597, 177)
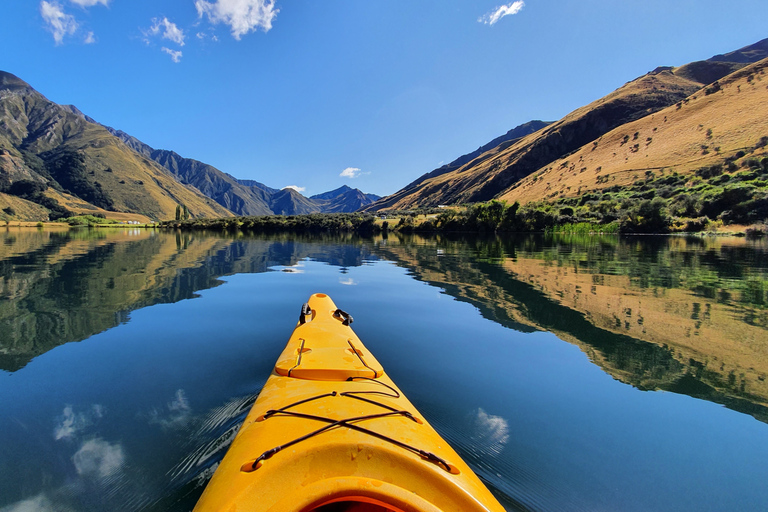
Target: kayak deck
point(331, 432)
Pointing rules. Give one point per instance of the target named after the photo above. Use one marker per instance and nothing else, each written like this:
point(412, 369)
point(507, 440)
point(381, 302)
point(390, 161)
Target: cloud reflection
point(176, 414)
point(98, 458)
point(70, 423)
point(491, 432)
point(39, 503)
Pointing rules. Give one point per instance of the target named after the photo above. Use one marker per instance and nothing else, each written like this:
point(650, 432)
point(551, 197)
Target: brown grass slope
point(649, 337)
point(705, 129)
point(33, 129)
point(493, 173)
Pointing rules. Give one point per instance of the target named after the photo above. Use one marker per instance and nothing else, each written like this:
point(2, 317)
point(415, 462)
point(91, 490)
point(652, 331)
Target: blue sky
point(368, 93)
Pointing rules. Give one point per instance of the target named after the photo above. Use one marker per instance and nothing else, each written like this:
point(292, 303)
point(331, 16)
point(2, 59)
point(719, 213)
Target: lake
point(571, 373)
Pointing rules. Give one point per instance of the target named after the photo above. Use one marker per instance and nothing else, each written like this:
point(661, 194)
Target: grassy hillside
point(685, 118)
point(45, 143)
point(718, 125)
point(495, 170)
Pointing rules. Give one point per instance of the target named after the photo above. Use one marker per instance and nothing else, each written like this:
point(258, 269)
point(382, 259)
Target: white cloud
point(296, 188)
point(505, 10)
point(90, 3)
point(175, 54)
point(89, 38)
point(205, 35)
point(351, 172)
point(170, 30)
point(99, 458)
point(242, 16)
point(59, 23)
point(348, 281)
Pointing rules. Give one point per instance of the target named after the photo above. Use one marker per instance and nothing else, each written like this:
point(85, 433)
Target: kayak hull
point(331, 431)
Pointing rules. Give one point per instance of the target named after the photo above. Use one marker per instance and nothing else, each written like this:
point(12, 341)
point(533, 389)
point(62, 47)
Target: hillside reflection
point(669, 313)
point(59, 287)
point(681, 315)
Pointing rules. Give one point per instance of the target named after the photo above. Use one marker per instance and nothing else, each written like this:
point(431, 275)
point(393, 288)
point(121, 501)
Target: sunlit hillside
point(41, 141)
point(676, 119)
point(721, 123)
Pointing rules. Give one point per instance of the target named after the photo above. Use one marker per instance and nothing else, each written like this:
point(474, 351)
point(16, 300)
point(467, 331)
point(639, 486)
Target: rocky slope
point(55, 159)
point(343, 199)
point(46, 146)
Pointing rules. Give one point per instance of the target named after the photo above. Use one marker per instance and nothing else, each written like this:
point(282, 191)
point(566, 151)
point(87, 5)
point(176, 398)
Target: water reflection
point(138, 417)
point(58, 287)
point(680, 314)
point(639, 307)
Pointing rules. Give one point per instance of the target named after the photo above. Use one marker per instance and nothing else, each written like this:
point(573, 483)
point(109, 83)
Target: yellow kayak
point(331, 432)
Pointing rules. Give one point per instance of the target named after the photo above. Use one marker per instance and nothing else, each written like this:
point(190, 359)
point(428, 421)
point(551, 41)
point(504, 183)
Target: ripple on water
point(483, 441)
point(207, 442)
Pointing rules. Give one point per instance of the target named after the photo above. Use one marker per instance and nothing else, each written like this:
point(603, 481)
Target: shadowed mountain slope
point(248, 197)
point(344, 199)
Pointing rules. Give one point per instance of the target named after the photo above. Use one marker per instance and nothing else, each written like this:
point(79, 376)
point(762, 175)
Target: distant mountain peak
point(333, 193)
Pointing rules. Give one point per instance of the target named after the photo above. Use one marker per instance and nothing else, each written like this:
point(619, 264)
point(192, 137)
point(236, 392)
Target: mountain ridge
point(48, 146)
point(72, 164)
point(243, 197)
point(491, 174)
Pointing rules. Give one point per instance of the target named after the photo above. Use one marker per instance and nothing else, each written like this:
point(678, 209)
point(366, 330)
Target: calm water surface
point(570, 373)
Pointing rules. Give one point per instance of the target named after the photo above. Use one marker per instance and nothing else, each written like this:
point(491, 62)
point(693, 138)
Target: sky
point(366, 93)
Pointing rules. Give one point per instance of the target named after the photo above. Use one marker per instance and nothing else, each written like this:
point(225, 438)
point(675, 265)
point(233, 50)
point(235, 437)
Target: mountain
point(238, 196)
point(344, 199)
point(332, 194)
point(511, 136)
point(746, 55)
point(497, 170)
point(720, 127)
point(248, 197)
point(53, 158)
point(253, 183)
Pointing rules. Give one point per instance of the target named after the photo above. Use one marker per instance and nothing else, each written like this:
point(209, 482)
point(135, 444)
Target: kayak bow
point(331, 432)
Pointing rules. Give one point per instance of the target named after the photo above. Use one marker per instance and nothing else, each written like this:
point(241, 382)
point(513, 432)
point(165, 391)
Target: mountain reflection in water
point(686, 315)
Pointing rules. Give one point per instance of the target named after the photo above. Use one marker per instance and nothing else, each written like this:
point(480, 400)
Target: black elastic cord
point(272, 412)
point(349, 424)
point(394, 394)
